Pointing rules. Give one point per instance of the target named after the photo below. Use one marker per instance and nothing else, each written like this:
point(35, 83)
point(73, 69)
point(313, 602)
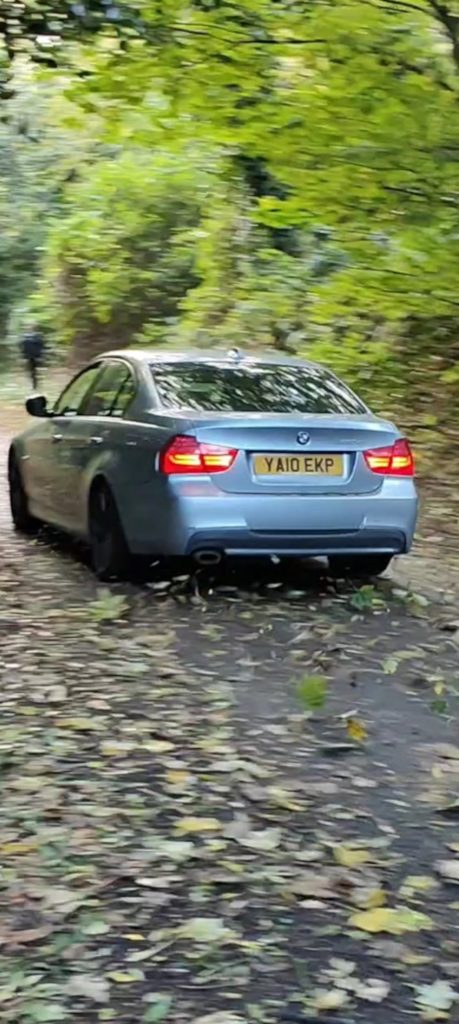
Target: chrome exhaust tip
point(207, 557)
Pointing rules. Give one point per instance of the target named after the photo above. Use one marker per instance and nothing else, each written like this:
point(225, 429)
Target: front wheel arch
point(98, 481)
point(13, 458)
point(23, 521)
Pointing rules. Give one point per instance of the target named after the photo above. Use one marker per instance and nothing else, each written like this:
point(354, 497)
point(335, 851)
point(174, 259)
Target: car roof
point(230, 356)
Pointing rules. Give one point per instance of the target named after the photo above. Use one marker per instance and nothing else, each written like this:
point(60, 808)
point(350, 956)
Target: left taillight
point(185, 455)
point(395, 460)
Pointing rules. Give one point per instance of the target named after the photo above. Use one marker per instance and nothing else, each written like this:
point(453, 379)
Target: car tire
point(23, 522)
point(358, 566)
point(109, 550)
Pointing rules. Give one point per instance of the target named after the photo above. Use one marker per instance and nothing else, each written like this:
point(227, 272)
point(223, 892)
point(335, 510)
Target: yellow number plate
point(279, 464)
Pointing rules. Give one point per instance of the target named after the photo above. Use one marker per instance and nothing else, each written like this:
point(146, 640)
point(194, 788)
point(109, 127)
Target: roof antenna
point(235, 353)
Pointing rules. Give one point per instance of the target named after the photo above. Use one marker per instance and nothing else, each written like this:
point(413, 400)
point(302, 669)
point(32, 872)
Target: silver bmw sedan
point(149, 454)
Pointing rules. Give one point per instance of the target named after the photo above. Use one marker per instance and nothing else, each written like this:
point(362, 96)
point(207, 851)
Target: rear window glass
point(254, 388)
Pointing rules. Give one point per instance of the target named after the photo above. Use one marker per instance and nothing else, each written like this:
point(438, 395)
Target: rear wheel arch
point(100, 480)
point(110, 552)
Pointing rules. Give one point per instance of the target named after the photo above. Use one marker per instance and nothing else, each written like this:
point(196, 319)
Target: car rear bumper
point(194, 518)
point(258, 543)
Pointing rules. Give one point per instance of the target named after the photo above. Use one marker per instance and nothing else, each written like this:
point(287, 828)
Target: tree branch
point(398, 5)
point(451, 25)
point(419, 194)
point(235, 41)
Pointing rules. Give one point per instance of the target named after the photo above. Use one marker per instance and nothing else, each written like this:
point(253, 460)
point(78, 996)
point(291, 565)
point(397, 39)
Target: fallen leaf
point(396, 920)
point(88, 985)
point(438, 996)
point(312, 883)
point(108, 606)
point(139, 956)
point(26, 936)
point(356, 730)
point(389, 949)
point(221, 1017)
point(333, 999)
point(417, 883)
point(178, 778)
point(175, 849)
point(206, 929)
point(44, 1013)
point(126, 977)
point(158, 746)
point(61, 900)
point(56, 694)
point(158, 882)
point(265, 841)
point(30, 783)
point(368, 897)
point(17, 849)
point(95, 928)
point(448, 869)
point(283, 799)
point(341, 968)
point(80, 724)
point(159, 1010)
point(112, 748)
point(372, 990)
point(350, 857)
point(258, 794)
point(189, 826)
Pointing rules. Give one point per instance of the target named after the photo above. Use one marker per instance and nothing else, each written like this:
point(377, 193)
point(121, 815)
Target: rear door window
point(262, 387)
point(125, 397)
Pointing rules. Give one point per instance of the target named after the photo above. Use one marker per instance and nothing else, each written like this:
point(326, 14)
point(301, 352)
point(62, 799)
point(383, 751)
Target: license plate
point(298, 465)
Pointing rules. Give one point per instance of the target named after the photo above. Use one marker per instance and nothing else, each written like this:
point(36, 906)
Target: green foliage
point(123, 256)
point(272, 175)
point(159, 1010)
point(39, 154)
point(312, 692)
point(367, 599)
point(108, 607)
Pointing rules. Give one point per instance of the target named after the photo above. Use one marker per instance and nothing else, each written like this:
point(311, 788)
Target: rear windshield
point(254, 388)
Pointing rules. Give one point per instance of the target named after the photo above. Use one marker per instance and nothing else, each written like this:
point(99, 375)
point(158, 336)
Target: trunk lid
point(292, 446)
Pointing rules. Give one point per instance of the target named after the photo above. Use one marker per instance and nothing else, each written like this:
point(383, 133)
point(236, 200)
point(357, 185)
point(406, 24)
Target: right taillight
point(187, 455)
point(395, 460)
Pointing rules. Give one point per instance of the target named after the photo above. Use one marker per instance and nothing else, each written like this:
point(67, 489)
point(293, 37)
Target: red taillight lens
point(396, 460)
point(187, 455)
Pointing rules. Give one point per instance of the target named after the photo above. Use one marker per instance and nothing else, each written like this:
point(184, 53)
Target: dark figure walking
point(32, 350)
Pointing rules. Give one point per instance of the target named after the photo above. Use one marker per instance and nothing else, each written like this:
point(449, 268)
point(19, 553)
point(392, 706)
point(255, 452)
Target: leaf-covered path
point(230, 806)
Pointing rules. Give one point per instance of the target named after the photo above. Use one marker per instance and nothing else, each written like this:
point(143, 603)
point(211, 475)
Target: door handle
point(57, 438)
point(96, 440)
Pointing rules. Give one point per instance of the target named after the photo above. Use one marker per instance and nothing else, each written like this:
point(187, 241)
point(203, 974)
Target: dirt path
point(181, 842)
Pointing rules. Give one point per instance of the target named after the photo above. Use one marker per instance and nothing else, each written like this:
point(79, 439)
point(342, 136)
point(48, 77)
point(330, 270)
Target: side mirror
point(37, 406)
